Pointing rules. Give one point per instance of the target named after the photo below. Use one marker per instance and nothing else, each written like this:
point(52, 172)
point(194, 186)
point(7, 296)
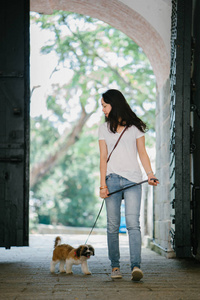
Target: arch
point(123, 18)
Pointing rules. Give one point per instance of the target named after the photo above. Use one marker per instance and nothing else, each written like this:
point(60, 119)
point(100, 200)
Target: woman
point(122, 169)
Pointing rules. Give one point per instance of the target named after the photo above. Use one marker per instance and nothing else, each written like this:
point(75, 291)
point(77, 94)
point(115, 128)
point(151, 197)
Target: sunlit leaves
point(99, 57)
point(102, 56)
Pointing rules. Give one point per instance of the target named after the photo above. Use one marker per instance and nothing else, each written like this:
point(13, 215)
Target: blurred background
point(74, 59)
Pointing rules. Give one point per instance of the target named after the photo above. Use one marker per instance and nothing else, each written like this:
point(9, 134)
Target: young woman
point(121, 170)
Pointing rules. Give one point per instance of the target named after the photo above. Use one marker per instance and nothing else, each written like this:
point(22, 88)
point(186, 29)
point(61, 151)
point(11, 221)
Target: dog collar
point(75, 253)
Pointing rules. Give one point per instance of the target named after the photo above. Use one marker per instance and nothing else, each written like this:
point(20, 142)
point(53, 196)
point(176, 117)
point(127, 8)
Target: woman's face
point(106, 108)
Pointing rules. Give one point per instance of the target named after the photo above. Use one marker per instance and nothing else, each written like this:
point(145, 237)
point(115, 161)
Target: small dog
point(64, 253)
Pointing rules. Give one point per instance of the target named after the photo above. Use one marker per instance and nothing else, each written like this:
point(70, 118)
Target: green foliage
point(67, 193)
point(43, 135)
point(100, 57)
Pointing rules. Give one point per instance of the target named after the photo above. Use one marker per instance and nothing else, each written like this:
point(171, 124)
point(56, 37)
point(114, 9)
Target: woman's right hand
point(104, 193)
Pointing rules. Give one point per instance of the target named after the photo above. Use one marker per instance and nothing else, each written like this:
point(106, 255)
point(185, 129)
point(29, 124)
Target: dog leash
point(95, 220)
point(122, 189)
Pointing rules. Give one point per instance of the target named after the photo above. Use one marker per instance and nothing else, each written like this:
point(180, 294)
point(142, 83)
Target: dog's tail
point(57, 241)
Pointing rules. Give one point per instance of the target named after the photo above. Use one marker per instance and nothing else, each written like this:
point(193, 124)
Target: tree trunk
point(66, 141)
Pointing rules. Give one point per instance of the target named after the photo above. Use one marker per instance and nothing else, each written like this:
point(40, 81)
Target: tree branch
point(42, 168)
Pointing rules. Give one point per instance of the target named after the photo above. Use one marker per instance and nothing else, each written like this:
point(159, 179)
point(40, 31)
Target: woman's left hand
point(152, 180)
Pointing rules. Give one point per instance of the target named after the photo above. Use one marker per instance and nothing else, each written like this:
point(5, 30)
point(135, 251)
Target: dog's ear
point(78, 251)
point(91, 249)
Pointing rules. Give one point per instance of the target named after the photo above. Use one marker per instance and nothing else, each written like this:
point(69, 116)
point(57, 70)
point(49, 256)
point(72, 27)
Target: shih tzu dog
point(66, 254)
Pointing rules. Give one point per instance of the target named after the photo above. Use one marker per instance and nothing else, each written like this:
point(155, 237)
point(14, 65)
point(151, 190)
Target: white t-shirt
point(123, 160)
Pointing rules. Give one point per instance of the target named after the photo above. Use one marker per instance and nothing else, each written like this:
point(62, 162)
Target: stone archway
point(123, 18)
point(147, 23)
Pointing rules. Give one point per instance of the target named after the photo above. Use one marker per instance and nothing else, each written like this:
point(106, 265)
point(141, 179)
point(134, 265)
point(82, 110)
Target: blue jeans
point(132, 199)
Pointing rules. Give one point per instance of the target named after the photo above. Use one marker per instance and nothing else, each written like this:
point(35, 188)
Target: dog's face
point(85, 250)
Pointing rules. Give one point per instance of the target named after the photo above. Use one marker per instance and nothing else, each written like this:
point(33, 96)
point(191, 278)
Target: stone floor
point(24, 274)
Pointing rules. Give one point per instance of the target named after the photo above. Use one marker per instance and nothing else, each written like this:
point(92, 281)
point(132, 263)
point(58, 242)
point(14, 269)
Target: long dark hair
point(121, 113)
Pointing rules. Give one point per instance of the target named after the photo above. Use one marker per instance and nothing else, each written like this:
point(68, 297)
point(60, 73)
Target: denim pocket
point(113, 176)
point(108, 177)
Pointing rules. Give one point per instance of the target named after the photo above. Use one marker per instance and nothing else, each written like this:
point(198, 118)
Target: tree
point(66, 194)
point(101, 57)
point(64, 148)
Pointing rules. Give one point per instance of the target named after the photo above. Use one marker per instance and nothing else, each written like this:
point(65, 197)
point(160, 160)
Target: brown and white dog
point(66, 254)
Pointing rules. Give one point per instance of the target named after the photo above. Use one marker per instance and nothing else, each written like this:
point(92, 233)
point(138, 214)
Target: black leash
point(127, 187)
point(122, 189)
point(95, 220)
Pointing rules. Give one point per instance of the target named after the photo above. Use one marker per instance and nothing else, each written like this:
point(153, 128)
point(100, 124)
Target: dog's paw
point(69, 273)
point(88, 273)
point(62, 271)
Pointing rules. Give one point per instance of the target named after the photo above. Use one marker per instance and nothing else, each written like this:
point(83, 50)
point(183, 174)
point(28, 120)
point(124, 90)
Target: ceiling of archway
point(127, 21)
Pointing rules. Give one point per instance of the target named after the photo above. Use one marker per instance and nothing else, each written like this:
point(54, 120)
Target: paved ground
point(24, 274)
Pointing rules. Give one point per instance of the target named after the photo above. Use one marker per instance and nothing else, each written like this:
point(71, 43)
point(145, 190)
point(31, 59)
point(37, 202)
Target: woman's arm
point(103, 168)
point(145, 160)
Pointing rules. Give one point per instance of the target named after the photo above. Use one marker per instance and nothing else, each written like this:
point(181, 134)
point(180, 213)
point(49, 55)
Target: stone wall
point(162, 207)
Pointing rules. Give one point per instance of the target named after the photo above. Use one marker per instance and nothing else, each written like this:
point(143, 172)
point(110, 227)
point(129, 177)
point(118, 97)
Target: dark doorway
point(14, 123)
